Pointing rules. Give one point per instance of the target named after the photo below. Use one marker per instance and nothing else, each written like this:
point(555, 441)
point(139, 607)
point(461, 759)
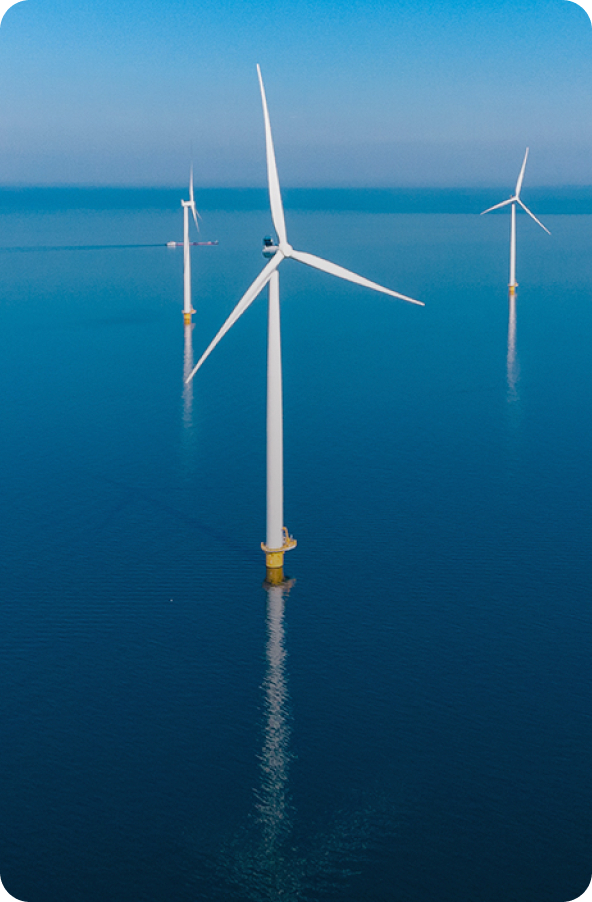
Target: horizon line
point(17, 186)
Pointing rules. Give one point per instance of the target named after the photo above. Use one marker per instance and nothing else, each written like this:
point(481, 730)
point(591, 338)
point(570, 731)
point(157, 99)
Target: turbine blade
point(341, 273)
point(521, 176)
point(275, 197)
point(247, 299)
point(526, 210)
point(192, 199)
point(504, 203)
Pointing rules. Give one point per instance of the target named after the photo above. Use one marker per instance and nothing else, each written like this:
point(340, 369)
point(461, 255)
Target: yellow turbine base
point(187, 317)
point(274, 557)
point(513, 288)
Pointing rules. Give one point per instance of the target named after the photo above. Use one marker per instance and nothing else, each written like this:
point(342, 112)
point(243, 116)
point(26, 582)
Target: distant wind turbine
point(515, 199)
point(187, 205)
point(278, 540)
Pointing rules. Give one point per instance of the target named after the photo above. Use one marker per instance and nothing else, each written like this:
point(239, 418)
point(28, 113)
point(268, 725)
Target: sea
point(409, 716)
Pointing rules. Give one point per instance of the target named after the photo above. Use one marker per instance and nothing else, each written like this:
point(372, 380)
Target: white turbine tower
point(187, 205)
point(277, 540)
point(515, 199)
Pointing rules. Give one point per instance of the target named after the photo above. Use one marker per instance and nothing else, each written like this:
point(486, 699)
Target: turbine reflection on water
point(269, 859)
point(188, 387)
point(272, 799)
point(513, 368)
point(269, 868)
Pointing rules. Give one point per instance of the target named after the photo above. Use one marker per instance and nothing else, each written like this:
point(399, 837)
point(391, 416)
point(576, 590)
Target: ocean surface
point(410, 717)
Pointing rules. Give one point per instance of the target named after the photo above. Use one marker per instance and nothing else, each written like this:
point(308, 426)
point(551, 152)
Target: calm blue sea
point(410, 719)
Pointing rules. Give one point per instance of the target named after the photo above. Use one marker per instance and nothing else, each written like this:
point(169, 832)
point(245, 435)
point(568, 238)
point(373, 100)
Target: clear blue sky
point(361, 92)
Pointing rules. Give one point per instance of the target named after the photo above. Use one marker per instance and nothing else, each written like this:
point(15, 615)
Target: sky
point(380, 93)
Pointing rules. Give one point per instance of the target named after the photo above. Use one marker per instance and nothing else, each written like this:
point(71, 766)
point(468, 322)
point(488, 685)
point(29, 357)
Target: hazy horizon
point(182, 188)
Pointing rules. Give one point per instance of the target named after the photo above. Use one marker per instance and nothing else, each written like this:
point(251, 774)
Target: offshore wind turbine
point(278, 540)
point(187, 205)
point(513, 200)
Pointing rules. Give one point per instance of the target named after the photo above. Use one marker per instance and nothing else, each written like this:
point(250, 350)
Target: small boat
point(192, 243)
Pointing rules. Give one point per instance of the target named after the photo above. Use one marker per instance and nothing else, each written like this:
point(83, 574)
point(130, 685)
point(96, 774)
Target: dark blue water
point(411, 718)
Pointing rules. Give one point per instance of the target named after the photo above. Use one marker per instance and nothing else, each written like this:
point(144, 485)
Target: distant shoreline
point(547, 200)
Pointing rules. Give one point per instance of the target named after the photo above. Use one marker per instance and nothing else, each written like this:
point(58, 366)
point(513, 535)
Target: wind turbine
point(513, 200)
point(187, 205)
point(278, 540)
